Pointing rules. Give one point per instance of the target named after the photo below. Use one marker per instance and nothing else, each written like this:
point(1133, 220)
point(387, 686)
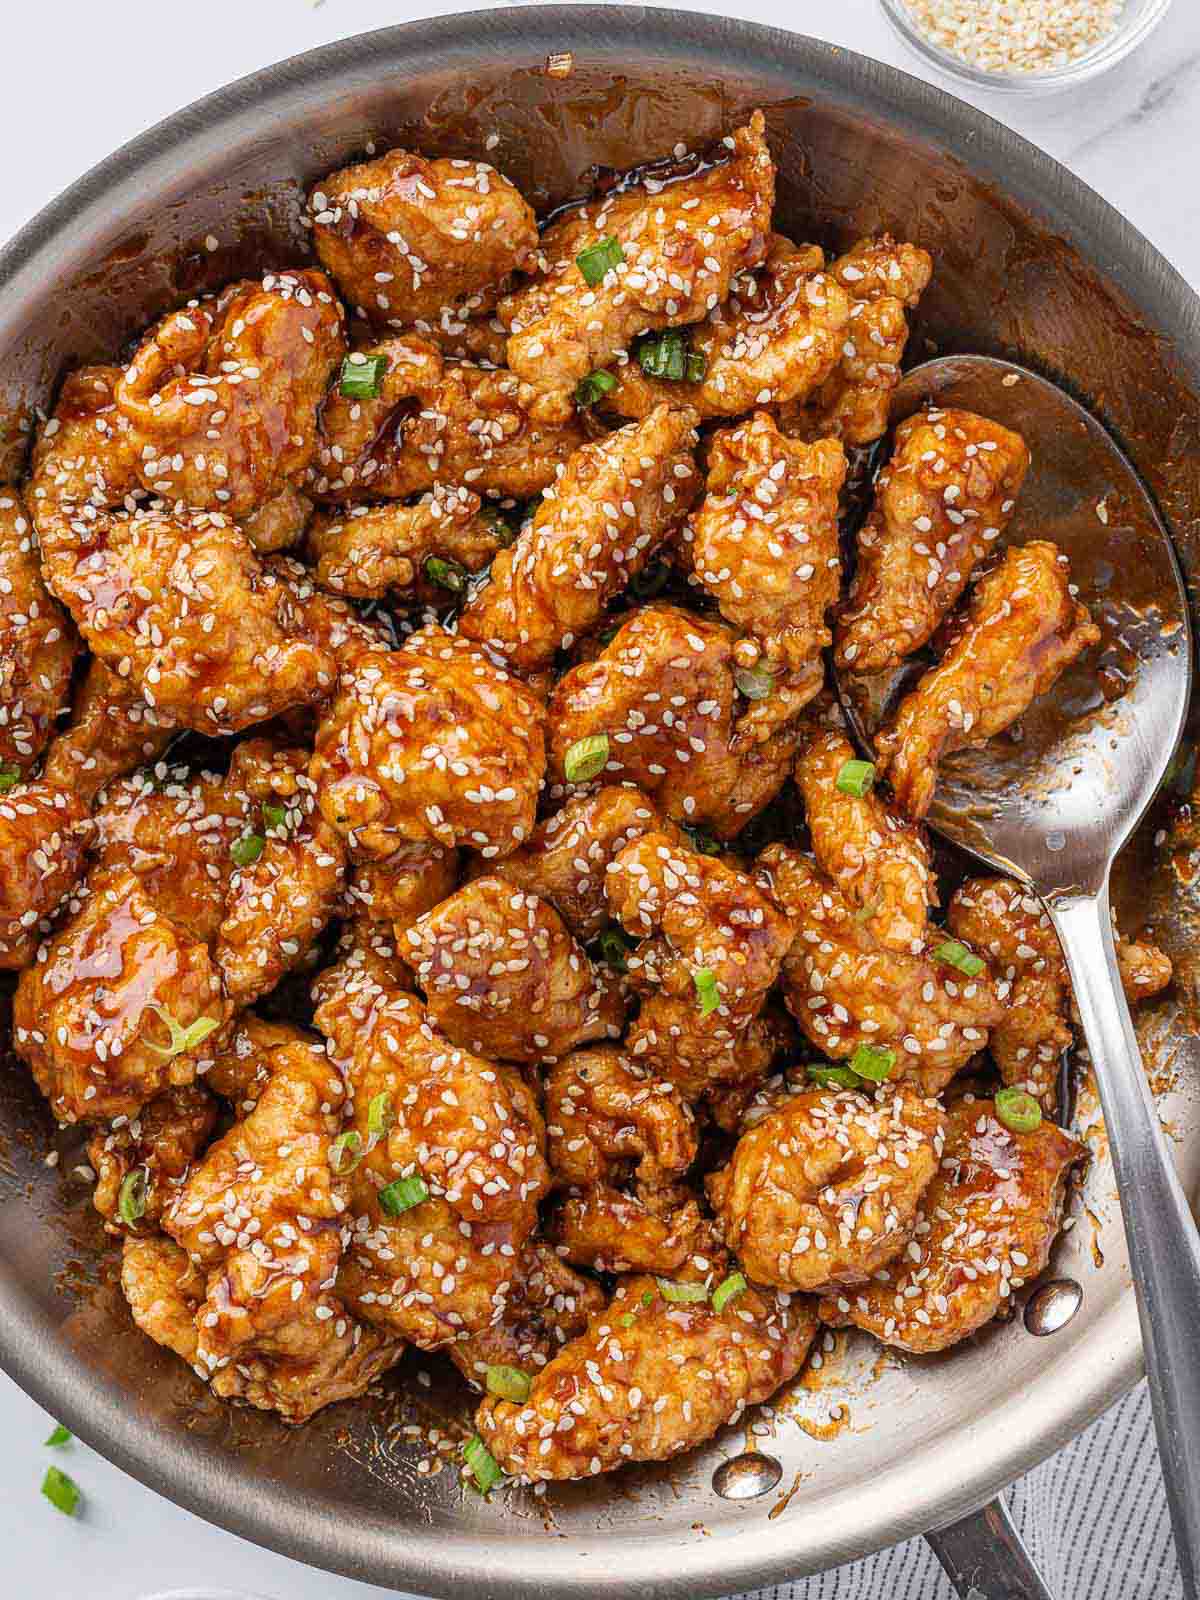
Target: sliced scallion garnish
point(345, 1153)
point(664, 355)
point(446, 574)
point(586, 758)
point(59, 1437)
point(61, 1491)
point(594, 387)
point(599, 259)
point(274, 816)
point(682, 1293)
point(1018, 1110)
point(614, 946)
point(362, 376)
point(958, 956)
point(481, 1464)
point(401, 1195)
point(856, 778)
point(832, 1077)
point(182, 1039)
point(706, 990)
point(510, 1383)
point(733, 1285)
point(10, 777)
point(379, 1114)
point(756, 683)
point(131, 1199)
point(246, 850)
point(873, 1062)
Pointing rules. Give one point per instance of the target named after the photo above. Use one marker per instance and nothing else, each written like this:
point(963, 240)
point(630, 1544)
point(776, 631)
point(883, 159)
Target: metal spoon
point(1055, 807)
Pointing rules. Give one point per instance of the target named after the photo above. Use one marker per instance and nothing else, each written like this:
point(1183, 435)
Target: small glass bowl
point(1139, 20)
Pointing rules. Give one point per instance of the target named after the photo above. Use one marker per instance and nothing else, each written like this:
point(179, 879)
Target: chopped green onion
point(592, 388)
point(274, 816)
point(756, 683)
point(874, 1062)
point(586, 758)
point(614, 945)
point(246, 850)
point(598, 260)
point(505, 532)
point(402, 1195)
point(856, 778)
point(481, 1464)
point(182, 1039)
point(957, 955)
point(379, 1114)
point(645, 585)
point(61, 1491)
point(1018, 1110)
point(664, 355)
point(59, 1437)
point(628, 1320)
point(345, 1153)
point(706, 989)
point(362, 376)
point(131, 1200)
point(682, 1293)
point(734, 1285)
point(831, 1077)
point(10, 777)
point(701, 841)
point(697, 367)
point(647, 1297)
point(446, 574)
point(510, 1383)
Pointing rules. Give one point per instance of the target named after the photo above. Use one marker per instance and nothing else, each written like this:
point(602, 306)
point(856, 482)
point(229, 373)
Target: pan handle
point(984, 1558)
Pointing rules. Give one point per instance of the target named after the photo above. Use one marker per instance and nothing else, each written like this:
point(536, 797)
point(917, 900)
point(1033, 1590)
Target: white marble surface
point(82, 78)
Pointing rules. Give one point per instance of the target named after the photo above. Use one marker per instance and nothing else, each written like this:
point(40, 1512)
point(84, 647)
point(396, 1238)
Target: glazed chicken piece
point(112, 731)
point(845, 990)
point(405, 237)
point(242, 1067)
point(764, 544)
point(407, 551)
point(988, 1221)
point(550, 1307)
point(947, 493)
point(430, 744)
point(278, 524)
point(650, 1379)
point(663, 1230)
point(221, 397)
point(85, 456)
point(37, 648)
point(430, 421)
point(677, 248)
point(393, 891)
point(616, 500)
point(664, 696)
point(884, 281)
point(774, 340)
point(503, 976)
point(156, 1146)
point(878, 859)
point(309, 1363)
point(1023, 629)
point(824, 1188)
point(712, 944)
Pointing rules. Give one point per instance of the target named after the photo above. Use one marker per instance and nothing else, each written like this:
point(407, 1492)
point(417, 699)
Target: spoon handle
point(1164, 1248)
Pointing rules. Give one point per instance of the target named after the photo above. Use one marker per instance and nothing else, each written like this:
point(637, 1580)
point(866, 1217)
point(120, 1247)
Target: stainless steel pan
point(1030, 264)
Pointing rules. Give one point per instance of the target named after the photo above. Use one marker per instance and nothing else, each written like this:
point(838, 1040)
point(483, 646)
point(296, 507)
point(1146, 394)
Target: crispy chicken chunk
point(221, 398)
point(395, 890)
point(661, 1230)
point(765, 542)
point(504, 976)
point(551, 1307)
point(988, 1221)
point(432, 743)
point(649, 1379)
point(406, 551)
point(278, 524)
point(37, 647)
point(846, 990)
point(677, 248)
point(157, 1145)
point(112, 730)
point(663, 694)
point(1023, 629)
point(823, 1189)
point(946, 494)
point(405, 237)
point(614, 503)
point(86, 454)
point(878, 859)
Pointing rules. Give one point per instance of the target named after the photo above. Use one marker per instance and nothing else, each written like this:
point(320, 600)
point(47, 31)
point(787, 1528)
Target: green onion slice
point(510, 1383)
point(594, 387)
point(274, 816)
point(481, 1464)
point(645, 585)
point(831, 1077)
point(446, 574)
point(586, 758)
point(379, 1115)
point(131, 1200)
point(733, 1285)
point(628, 1320)
point(697, 367)
point(59, 1437)
point(856, 778)
point(701, 841)
point(682, 1293)
point(61, 1491)
point(754, 682)
point(10, 777)
point(706, 989)
point(957, 955)
point(874, 1062)
point(1018, 1110)
point(402, 1195)
point(246, 850)
point(647, 1297)
point(345, 1153)
point(664, 355)
point(362, 376)
point(182, 1039)
point(599, 259)
point(614, 946)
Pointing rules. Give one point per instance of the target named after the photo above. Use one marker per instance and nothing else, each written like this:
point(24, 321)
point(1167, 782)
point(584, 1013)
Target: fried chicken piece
point(609, 1120)
point(824, 1189)
point(660, 1230)
point(878, 859)
point(221, 398)
point(550, 1308)
point(280, 523)
point(680, 246)
point(373, 551)
point(764, 543)
point(1145, 969)
point(884, 281)
point(774, 340)
point(159, 1144)
point(312, 1362)
point(1023, 630)
point(649, 1379)
point(946, 494)
point(614, 503)
point(846, 990)
point(433, 743)
point(405, 237)
point(663, 694)
point(397, 889)
point(504, 976)
point(433, 422)
point(37, 647)
point(242, 1067)
point(988, 1221)
point(112, 731)
point(85, 456)
point(717, 947)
